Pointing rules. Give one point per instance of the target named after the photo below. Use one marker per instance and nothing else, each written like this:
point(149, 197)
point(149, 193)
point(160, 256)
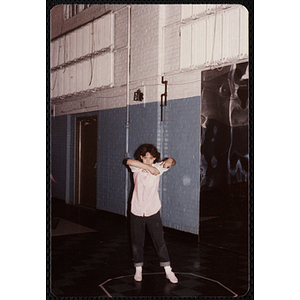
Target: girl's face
point(148, 159)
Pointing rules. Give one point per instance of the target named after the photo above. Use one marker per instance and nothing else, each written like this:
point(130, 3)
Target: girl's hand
point(168, 163)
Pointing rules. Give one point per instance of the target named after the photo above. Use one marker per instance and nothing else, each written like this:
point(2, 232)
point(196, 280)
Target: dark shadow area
point(229, 229)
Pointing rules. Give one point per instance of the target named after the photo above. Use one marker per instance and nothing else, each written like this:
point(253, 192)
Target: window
point(193, 10)
point(216, 38)
point(73, 9)
point(83, 59)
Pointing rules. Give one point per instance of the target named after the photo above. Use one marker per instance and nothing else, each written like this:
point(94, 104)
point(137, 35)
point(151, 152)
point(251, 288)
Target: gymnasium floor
point(90, 253)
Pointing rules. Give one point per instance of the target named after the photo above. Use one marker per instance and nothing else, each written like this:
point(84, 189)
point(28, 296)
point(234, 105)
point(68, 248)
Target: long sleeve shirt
point(145, 199)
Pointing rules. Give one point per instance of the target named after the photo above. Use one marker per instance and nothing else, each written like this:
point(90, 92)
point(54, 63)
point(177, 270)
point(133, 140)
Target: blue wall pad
point(111, 153)
point(181, 187)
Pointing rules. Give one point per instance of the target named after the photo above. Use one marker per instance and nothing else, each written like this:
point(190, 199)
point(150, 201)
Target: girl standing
point(145, 207)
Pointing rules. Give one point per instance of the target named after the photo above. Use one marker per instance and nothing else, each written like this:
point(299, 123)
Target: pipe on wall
point(127, 103)
point(165, 94)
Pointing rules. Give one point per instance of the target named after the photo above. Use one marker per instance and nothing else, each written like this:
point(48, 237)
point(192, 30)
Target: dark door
point(86, 160)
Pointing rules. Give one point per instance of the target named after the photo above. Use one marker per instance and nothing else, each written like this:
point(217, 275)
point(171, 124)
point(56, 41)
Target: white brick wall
point(120, 34)
point(181, 84)
point(144, 41)
point(147, 55)
point(144, 64)
point(155, 52)
point(171, 49)
point(120, 30)
point(173, 13)
point(120, 68)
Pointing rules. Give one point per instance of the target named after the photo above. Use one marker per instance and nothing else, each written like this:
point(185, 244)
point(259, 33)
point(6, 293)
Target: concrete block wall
point(172, 14)
point(171, 49)
point(110, 154)
point(172, 38)
point(143, 125)
point(144, 41)
point(181, 83)
point(181, 138)
point(121, 28)
point(181, 185)
point(178, 136)
point(120, 44)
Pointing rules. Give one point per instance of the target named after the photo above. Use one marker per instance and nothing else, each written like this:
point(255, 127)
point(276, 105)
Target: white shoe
point(171, 276)
point(138, 275)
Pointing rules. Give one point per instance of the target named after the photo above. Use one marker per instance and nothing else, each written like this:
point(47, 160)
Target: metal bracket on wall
point(163, 95)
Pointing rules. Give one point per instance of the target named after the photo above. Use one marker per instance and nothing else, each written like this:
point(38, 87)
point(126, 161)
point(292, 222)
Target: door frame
point(78, 158)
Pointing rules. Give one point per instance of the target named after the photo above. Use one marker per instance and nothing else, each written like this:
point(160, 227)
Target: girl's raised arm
point(140, 165)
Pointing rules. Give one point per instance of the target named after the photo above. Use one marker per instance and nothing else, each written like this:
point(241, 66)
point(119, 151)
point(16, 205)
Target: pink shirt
point(145, 199)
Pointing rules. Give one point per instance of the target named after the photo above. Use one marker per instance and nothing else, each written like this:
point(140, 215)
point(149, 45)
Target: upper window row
point(192, 10)
point(71, 10)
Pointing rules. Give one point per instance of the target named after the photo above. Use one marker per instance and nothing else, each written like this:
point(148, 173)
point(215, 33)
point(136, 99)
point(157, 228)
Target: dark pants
point(155, 228)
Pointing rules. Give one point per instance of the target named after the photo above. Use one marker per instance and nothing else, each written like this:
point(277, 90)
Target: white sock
point(168, 269)
point(138, 274)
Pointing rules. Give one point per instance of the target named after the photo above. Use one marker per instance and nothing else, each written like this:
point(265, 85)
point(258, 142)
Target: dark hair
point(143, 149)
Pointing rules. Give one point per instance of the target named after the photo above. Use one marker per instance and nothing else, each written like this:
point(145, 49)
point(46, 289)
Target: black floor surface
point(99, 263)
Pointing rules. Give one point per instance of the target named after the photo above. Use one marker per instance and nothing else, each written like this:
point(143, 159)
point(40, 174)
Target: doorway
point(86, 172)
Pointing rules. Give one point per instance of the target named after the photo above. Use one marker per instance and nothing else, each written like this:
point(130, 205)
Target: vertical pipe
point(161, 108)
point(128, 81)
point(127, 103)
